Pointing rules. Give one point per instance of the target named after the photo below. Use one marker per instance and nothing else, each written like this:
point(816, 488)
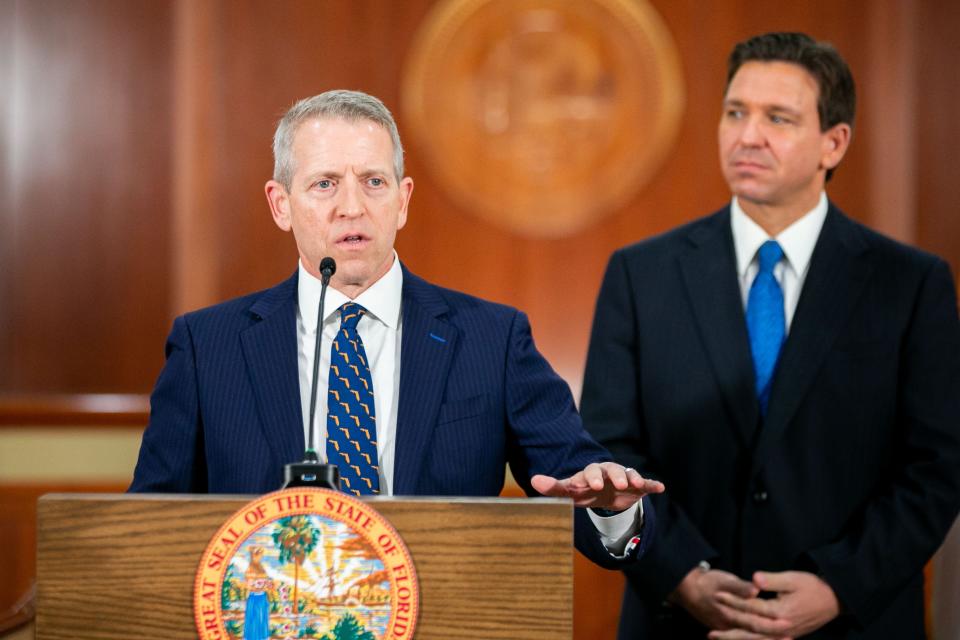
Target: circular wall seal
point(306, 563)
point(539, 115)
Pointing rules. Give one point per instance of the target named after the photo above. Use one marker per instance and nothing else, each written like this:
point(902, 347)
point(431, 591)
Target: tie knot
point(769, 255)
point(350, 314)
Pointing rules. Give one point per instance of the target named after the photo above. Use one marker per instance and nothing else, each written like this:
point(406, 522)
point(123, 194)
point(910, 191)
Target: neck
point(352, 291)
point(352, 285)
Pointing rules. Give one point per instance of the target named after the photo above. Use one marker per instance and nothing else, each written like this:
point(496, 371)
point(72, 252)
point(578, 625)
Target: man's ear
point(279, 201)
point(836, 141)
point(406, 190)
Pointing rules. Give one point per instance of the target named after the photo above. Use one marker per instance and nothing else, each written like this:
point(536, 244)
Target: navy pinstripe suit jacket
point(475, 394)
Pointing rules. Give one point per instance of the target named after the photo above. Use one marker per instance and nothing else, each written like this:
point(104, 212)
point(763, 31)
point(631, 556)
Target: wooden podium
point(123, 566)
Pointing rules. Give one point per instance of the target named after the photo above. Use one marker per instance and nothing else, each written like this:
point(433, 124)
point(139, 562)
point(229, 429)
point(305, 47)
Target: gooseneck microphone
point(311, 472)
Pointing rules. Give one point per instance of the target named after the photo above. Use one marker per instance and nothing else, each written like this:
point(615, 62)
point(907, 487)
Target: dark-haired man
point(792, 376)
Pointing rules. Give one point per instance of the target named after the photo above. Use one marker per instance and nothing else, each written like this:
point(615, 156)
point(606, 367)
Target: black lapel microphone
point(311, 472)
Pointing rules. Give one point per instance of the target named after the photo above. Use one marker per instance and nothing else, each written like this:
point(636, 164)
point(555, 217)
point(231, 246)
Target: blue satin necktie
point(351, 413)
point(765, 320)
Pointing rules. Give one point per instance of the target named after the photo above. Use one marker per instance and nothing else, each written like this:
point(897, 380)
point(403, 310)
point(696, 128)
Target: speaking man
point(422, 390)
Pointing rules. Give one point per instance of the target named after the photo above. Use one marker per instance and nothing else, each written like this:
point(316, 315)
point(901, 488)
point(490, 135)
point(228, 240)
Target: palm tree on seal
point(295, 538)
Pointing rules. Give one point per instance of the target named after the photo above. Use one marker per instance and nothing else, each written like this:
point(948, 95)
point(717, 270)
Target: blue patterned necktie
point(351, 415)
point(765, 320)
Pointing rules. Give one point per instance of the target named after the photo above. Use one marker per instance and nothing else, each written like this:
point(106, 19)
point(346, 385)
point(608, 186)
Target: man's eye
point(324, 184)
point(736, 114)
point(376, 182)
point(775, 119)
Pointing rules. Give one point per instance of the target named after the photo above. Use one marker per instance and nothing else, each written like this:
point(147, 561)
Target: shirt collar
point(797, 241)
point(381, 299)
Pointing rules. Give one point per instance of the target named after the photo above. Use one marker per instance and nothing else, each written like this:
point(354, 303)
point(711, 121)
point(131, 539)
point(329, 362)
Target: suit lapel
point(270, 353)
point(709, 273)
point(426, 351)
point(838, 272)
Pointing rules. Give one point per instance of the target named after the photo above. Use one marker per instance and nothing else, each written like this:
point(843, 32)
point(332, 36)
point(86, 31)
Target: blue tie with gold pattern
point(351, 415)
point(766, 324)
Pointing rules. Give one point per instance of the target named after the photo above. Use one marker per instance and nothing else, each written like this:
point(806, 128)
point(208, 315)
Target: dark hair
point(837, 100)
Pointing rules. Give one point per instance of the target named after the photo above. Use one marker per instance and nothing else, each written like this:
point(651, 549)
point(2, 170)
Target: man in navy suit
point(453, 387)
point(793, 377)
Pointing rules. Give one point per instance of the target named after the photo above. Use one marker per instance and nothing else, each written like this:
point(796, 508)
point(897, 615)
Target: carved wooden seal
point(542, 116)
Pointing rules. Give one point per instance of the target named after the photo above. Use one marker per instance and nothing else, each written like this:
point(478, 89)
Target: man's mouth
point(352, 240)
point(746, 163)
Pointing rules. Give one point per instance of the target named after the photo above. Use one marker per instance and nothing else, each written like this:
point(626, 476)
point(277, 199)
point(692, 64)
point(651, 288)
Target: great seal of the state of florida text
point(306, 563)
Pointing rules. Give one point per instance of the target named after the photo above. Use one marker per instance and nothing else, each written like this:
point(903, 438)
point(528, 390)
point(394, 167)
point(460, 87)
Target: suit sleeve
point(612, 410)
point(898, 531)
point(171, 453)
point(547, 436)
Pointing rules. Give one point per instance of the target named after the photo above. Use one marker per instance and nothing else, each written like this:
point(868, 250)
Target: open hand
point(604, 485)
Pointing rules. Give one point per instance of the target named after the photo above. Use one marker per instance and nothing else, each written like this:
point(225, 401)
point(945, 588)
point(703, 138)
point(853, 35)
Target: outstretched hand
point(603, 485)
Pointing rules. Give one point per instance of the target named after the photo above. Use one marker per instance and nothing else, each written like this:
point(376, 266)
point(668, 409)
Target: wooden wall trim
point(890, 94)
point(195, 243)
point(99, 409)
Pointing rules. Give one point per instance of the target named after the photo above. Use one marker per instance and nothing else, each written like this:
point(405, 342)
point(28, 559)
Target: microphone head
point(328, 267)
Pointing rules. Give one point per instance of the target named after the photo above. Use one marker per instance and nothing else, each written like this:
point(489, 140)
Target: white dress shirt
point(380, 330)
point(797, 241)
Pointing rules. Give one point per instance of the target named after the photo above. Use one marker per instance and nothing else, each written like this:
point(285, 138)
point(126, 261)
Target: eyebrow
point(338, 175)
point(782, 109)
point(777, 108)
point(373, 172)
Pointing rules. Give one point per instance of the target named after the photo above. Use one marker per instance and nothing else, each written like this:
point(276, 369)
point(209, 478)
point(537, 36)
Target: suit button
point(760, 496)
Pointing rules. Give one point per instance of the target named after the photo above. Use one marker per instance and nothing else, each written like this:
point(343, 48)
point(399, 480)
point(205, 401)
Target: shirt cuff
point(618, 530)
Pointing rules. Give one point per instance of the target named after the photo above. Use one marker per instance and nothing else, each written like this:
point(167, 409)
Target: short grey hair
point(340, 103)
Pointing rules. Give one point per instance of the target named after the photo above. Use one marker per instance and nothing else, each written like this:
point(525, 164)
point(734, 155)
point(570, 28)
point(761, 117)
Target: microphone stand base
point(310, 473)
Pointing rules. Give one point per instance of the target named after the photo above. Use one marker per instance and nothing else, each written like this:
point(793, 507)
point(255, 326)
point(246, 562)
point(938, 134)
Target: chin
point(749, 192)
point(351, 277)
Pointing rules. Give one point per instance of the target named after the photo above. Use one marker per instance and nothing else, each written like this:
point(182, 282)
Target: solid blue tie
point(351, 414)
point(765, 320)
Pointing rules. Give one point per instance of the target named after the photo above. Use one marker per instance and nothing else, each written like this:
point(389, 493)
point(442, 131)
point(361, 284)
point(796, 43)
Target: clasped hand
point(731, 606)
point(604, 485)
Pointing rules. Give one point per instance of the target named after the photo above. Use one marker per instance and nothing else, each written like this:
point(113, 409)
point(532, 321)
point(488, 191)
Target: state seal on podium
point(306, 563)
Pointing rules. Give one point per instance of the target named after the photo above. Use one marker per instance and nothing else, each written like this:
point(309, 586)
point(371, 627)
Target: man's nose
point(751, 132)
point(351, 199)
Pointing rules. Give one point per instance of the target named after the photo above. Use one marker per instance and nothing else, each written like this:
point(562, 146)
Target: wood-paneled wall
point(136, 141)
point(86, 207)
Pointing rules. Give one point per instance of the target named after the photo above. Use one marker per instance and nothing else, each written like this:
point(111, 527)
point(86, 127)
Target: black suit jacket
point(854, 473)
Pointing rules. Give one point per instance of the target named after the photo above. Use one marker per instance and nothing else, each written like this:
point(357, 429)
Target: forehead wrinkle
point(337, 147)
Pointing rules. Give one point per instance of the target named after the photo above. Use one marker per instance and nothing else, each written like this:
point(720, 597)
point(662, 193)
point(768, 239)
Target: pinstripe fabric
point(480, 396)
point(475, 395)
point(225, 412)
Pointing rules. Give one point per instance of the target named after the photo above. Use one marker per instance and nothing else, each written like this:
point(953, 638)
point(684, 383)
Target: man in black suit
point(791, 375)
